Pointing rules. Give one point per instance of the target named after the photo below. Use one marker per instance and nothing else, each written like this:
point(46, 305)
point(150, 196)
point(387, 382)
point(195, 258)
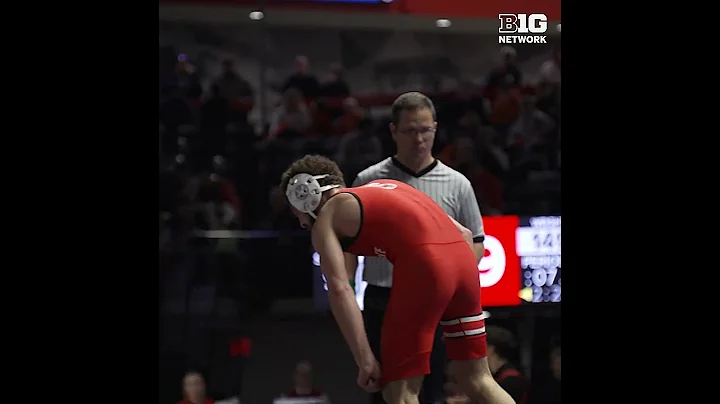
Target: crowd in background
point(219, 168)
point(502, 360)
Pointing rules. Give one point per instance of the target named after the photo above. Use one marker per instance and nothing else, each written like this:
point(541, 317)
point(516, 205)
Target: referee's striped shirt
point(447, 187)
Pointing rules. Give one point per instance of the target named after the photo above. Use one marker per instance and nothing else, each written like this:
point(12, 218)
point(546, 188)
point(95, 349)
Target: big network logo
point(523, 28)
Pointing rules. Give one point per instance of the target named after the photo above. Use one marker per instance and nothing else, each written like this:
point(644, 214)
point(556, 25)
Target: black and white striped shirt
point(447, 187)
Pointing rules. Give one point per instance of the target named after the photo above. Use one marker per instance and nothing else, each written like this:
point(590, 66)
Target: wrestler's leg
point(404, 391)
point(474, 379)
point(464, 330)
point(418, 299)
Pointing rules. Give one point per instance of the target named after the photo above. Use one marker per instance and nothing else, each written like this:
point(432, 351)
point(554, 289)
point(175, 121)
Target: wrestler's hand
point(369, 376)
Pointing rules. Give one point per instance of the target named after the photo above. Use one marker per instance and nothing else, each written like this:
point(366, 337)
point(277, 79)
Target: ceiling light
point(443, 23)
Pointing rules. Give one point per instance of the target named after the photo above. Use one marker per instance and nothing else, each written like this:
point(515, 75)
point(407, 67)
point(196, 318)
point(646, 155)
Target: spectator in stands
point(501, 346)
point(507, 74)
point(292, 117)
point(469, 100)
point(303, 386)
point(352, 114)
point(335, 85)
point(226, 206)
point(505, 107)
point(550, 69)
point(359, 149)
point(530, 126)
point(194, 389)
point(279, 217)
point(232, 85)
point(548, 87)
point(186, 79)
point(236, 90)
point(556, 363)
point(214, 118)
point(175, 111)
point(548, 392)
point(302, 79)
point(462, 155)
point(213, 199)
point(492, 153)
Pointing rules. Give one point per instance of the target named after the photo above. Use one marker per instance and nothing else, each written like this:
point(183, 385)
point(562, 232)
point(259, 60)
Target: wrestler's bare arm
point(351, 263)
point(340, 294)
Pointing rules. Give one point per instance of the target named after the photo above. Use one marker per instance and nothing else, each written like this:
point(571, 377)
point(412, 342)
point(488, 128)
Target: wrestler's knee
point(403, 391)
point(469, 375)
point(482, 389)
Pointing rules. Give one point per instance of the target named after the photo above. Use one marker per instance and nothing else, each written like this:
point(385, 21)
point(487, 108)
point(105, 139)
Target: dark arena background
point(242, 300)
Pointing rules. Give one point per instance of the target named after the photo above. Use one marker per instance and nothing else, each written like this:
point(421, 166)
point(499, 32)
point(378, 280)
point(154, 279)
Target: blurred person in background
point(505, 107)
point(236, 90)
point(548, 88)
point(469, 101)
point(507, 73)
point(530, 126)
point(352, 114)
point(175, 111)
point(335, 85)
point(501, 347)
point(413, 129)
point(505, 93)
point(291, 118)
point(548, 392)
point(194, 390)
point(303, 385)
point(214, 118)
point(550, 69)
point(231, 84)
point(463, 156)
point(359, 149)
point(217, 204)
point(185, 78)
point(302, 80)
point(279, 217)
point(492, 152)
point(229, 202)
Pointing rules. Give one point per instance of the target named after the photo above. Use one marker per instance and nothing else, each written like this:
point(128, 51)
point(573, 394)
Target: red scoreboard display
point(522, 263)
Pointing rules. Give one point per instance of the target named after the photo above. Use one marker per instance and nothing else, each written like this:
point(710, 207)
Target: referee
point(413, 130)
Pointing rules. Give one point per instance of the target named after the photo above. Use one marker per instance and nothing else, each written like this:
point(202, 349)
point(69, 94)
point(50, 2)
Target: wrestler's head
point(308, 183)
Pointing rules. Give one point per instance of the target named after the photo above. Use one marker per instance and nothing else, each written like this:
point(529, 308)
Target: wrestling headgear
point(305, 192)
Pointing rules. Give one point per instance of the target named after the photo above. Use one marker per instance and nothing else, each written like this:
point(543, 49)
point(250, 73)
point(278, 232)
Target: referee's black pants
point(376, 300)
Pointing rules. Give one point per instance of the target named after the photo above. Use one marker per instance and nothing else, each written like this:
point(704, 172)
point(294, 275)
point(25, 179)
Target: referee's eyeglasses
point(422, 131)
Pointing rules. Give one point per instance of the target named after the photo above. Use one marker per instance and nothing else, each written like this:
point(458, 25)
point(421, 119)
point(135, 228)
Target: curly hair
point(314, 164)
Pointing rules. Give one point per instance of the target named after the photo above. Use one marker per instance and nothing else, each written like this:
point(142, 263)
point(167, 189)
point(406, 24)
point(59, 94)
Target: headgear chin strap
point(304, 192)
